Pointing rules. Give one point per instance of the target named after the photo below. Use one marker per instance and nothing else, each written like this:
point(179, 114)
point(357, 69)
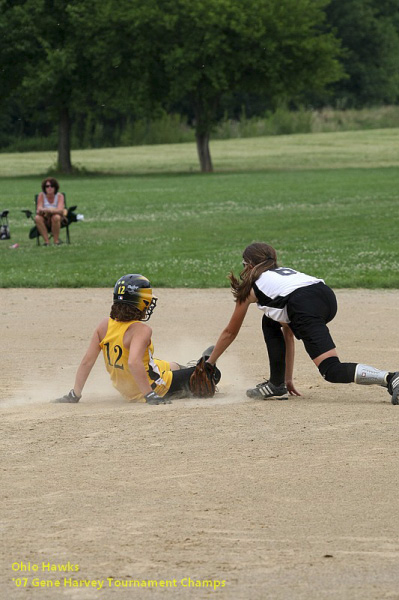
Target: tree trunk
point(204, 154)
point(64, 143)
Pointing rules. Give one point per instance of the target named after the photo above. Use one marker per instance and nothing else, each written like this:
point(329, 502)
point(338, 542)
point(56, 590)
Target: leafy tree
point(61, 78)
point(108, 34)
point(192, 53)
point(207, 48)
point(369, 30)
point(15, 31)
point(51, 73)
point(119, 57)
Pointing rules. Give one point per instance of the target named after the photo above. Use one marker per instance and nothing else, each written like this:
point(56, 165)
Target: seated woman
point(50, 210)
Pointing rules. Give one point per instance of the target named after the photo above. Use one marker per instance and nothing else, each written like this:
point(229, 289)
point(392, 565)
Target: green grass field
point(357, 149)
point(327, 202)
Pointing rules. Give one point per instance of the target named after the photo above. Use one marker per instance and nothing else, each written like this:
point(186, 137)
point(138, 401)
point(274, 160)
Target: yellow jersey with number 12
point(116, 358)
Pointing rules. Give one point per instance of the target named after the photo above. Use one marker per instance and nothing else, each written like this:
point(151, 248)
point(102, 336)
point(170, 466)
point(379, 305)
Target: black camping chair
point(69, 217)
point(4, 228)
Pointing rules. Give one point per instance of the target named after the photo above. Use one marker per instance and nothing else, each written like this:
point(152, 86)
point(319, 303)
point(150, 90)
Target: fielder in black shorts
point(294, 304)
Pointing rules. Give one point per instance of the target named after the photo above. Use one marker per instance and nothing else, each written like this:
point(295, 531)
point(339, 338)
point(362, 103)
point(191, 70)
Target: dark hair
point(121, 311)
point(53, 182)
point(259, 257)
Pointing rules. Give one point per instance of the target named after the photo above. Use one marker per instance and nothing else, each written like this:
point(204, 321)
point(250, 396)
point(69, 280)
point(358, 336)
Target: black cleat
point(206, 353)
point(393, 388)
point(266, 390)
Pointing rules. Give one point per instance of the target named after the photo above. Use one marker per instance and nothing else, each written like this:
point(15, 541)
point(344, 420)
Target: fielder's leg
point(336, 372)
point(275, 343)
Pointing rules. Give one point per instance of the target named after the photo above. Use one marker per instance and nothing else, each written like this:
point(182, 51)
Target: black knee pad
point(336, 372)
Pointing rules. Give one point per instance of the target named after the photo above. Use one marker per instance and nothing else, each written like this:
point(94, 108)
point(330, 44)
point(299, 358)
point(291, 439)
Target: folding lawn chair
point(4, 228)
point(69, 217)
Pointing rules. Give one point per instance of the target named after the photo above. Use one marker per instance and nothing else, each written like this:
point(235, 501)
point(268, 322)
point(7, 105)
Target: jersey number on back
point(118, 351)
point(284, 271)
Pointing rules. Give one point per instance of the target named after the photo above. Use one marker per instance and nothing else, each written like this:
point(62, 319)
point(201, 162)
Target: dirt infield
point(225, 498)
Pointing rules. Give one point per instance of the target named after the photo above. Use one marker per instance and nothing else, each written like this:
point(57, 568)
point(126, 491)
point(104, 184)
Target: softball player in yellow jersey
point(116, 357)
point(128, 351)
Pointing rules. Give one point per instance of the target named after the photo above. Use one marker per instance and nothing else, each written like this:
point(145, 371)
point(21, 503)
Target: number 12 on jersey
point(118, 351)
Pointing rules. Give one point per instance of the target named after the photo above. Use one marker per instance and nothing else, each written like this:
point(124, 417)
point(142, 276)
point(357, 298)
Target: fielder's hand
point(291, 389)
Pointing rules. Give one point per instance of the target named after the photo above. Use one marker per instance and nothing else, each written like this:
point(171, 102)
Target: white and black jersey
point(273, 288)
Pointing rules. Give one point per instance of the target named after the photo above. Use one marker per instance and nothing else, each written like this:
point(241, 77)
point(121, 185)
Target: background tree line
point(96, 69)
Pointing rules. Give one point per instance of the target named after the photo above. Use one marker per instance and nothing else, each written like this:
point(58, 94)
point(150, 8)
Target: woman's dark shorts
point(309, 309)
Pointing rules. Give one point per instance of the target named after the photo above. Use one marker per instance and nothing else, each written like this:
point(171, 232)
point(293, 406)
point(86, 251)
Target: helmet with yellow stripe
point(135, 289)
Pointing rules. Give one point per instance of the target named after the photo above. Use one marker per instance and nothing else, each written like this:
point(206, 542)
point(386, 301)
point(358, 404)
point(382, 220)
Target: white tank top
point(47, 204)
